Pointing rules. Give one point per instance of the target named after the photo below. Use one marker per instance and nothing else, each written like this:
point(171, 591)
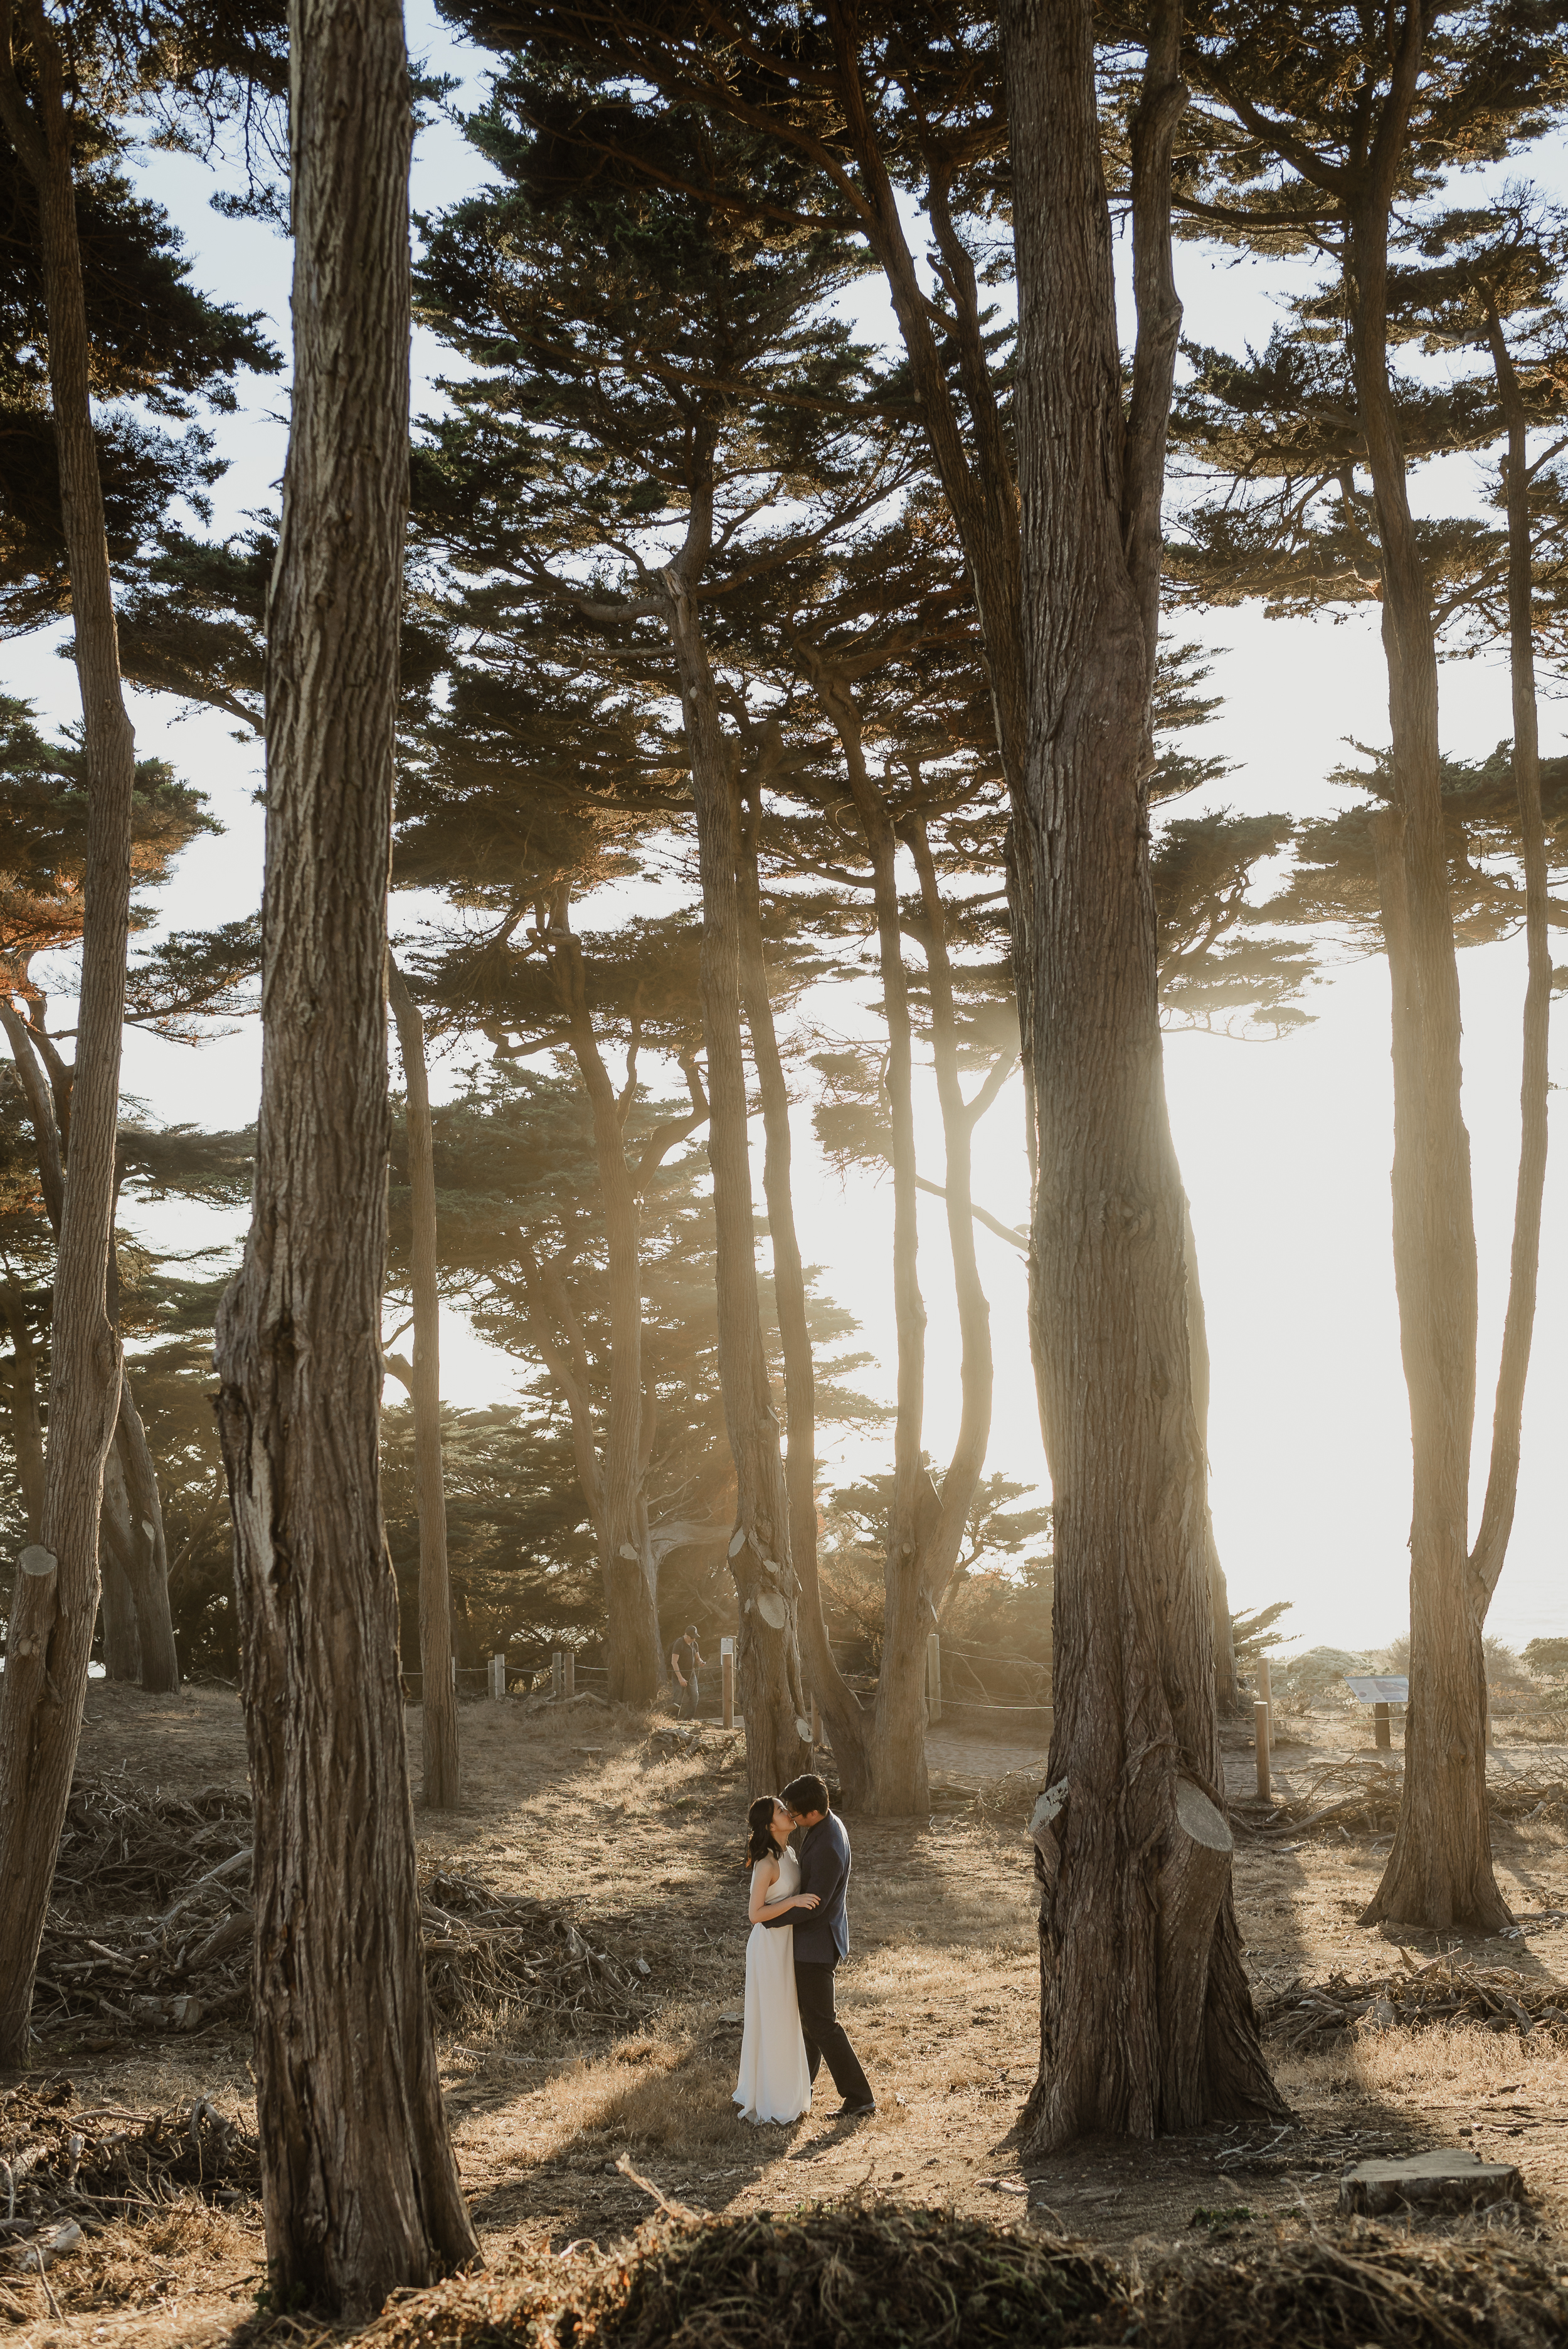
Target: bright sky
point(1284, 1147)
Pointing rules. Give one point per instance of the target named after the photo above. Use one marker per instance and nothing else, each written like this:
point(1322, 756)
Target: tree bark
point(54, 1609)
point(438, 1700)
point(360, 2191)
point(1439, 1873)
point(846, 1724)
point(1490, 1544)
point(1146, 2024)
point(769, 1681)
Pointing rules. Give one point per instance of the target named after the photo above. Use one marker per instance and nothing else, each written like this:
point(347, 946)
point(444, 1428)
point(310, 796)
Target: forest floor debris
point(1306, 2014)
point(1363, 1796)
point(881, 2276)
point(151, 1932)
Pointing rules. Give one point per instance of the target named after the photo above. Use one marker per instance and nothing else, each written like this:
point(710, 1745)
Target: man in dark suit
point(822, 1938)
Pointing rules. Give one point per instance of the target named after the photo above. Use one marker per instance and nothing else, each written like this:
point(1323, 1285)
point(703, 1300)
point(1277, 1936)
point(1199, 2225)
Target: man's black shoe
point(853, 2112)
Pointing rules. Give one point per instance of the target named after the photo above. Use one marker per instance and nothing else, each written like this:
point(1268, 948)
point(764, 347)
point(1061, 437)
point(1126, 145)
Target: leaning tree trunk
point(1439, 1870)
point(768, 1656)
point(1146, 2024)
point(55, 1602)
point(1534, 1086)
point(438, 1696)
point(360, 2191)
point(847, 1724)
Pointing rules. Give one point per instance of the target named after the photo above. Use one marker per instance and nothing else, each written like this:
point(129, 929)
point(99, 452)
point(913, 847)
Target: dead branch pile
point(64, 2170)
point(1010, 1799)
point(879, 2277)
point(108, 1966)
point(1307, 2013)
point(1364, 1798)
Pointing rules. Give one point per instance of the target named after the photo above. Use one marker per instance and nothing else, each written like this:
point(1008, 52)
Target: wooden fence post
point(933, 1675)
point(498, 1675)
point(1265, 1691)
point(1382, 1728)
point(816, 1725)
point(727, 1677)
point(557, 1673)
point(570, 1660)
point(1261, 1732)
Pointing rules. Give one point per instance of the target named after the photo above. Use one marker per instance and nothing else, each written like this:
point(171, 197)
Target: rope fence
point(559, 1677)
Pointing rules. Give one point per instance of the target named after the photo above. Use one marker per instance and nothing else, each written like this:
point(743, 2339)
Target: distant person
point(775, 2083)
point(685, 1663)
point(822, 1940)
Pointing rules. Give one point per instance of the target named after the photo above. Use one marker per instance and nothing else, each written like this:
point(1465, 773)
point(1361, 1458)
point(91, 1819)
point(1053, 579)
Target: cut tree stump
point(1428, 2181)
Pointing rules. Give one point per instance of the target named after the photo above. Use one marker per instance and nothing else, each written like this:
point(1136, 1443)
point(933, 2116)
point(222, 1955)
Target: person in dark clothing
point(685, 1663)
point(822, 1938)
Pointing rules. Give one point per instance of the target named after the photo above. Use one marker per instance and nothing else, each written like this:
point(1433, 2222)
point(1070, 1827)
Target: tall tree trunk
point(846, 1724)
point(1146, 2024)
point(26, 1419)
point(898, 1786)
point(767, 1654)
point(1439, 1870)
point(439, 1698)
point(117, 1546)
point(138, 1628)
point(360, 2191)
point(146, 1568)
point(632, 1652)
point(56, 1603)
point(1534, 1086)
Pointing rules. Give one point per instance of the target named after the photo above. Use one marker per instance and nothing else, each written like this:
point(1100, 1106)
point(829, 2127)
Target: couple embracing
point(800, 1931)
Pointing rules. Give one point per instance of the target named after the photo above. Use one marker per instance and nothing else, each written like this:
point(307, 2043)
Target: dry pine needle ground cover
point(587, 1905)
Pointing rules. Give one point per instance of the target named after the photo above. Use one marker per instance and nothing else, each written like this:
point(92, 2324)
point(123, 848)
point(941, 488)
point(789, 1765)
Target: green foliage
point(1253, 1635)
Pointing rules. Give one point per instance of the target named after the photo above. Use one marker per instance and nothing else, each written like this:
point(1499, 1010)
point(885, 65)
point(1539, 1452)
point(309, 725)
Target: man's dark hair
point(808, 1793)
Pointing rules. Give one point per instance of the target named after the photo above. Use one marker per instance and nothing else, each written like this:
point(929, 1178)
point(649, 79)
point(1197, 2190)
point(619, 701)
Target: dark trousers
point(691, 1696)
point(826, 2038)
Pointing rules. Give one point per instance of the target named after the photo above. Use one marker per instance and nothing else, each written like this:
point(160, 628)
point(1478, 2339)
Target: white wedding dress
point(774, 2083)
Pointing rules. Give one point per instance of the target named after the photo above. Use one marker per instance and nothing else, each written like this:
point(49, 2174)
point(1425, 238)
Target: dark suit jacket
point(822, 1934)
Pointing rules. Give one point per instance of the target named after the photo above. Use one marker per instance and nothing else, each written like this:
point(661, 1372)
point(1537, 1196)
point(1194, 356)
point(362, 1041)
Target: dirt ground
point(641, 1841)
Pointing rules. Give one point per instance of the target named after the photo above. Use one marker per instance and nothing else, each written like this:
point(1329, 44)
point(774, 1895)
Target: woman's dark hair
point(760, 1843)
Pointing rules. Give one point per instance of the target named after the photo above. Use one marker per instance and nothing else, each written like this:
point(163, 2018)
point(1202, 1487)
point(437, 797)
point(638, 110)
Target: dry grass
point(640, 1842)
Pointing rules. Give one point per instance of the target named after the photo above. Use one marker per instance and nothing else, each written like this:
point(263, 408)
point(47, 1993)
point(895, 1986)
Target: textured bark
point(1438, 1872)
point(360, 2191)
point(1146, 2020)
point(54, 1612)
point(439, 1698)
point(846, 1724)
point(768, 1681)
point(1490, 1544)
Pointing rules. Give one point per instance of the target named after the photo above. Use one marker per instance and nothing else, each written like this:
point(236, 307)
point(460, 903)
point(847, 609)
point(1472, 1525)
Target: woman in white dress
point(775, 2084)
